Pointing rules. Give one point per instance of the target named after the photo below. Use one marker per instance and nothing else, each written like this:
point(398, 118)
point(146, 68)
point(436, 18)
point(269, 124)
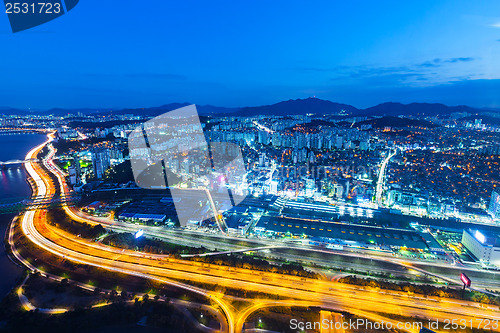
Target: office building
point(485, 247)
point(100, 161)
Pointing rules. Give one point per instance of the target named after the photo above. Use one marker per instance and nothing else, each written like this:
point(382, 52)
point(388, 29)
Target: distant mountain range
point(323, 107)
point(298, 107)
point(291, 107)
point(417, 109)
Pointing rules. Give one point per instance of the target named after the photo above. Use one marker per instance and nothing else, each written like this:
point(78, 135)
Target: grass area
point(49, 294)
point(100, 278)
point(278, 319)
point(153, 314)
point(204, 317)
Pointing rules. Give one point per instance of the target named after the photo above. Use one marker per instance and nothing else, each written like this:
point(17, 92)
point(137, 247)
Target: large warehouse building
point(483, 246)
point(361, 234)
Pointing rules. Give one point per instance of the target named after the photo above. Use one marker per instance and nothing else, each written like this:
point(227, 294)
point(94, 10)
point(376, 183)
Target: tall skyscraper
point(100, 161)
point(494, 208)
point(75, 171)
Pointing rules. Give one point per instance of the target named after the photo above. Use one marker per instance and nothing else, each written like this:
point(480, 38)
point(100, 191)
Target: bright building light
point(480, 237)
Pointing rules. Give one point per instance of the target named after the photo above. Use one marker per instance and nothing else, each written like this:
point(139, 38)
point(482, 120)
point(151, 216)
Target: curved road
point(381, 178)
point(345, 297)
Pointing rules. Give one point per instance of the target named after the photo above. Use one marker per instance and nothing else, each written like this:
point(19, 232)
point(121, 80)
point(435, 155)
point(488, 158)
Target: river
point(13, 184)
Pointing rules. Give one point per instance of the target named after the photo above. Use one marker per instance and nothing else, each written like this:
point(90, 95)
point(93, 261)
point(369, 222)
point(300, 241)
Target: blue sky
point(123, 53)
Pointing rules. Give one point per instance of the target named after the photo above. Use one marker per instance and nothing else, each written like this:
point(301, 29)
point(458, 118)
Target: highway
point(172, 271)
point(381, 178)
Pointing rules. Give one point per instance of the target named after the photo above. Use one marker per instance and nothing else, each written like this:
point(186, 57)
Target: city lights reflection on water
point(13, 185)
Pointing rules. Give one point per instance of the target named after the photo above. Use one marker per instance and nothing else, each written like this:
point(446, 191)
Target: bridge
point(20, 204)
point(11, 162)
point(23, 129)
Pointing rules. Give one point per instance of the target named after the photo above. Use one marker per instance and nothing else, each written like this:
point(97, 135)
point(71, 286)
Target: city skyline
point(332, 205)
point(233, 167)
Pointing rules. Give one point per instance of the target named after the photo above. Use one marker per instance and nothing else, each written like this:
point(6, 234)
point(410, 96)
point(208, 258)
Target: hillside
point(415, 109)
point(297, 107)
point(291, 107)
point(396, 122)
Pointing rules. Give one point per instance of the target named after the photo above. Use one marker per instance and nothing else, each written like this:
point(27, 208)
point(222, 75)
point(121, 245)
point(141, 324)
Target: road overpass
point(16, 162)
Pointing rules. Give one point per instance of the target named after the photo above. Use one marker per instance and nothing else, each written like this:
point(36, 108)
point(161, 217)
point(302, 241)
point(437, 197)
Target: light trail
point(381, 178)
point(262, 127)
point(26, 304)
point(349, 298)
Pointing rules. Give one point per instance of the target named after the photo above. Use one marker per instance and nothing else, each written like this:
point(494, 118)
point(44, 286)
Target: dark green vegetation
point(154, 314)
point(426, 290)
point(65, 147)
point(120, 174)
point(105, 124)
point(148, 245)
point(277, 319)
point(58, 218)
point(256, 264)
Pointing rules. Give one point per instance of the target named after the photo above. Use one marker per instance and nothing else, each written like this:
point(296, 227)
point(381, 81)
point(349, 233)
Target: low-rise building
point(485, 247)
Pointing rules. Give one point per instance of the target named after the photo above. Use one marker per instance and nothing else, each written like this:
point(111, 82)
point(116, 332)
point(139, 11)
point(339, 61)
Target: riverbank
point(10, 270)
point(13, 185)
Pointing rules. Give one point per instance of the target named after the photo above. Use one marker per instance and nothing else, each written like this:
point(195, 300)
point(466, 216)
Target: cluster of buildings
point(321, 173)
point(327, 139)
point(446, 174)
point(11, 122)
point(157, 211)
point(93, 163)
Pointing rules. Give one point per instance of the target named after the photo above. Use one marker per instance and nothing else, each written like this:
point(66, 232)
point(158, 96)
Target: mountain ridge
point(305, 106)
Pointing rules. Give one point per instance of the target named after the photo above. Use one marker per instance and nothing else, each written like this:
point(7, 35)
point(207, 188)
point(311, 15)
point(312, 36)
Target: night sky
point(123, 53)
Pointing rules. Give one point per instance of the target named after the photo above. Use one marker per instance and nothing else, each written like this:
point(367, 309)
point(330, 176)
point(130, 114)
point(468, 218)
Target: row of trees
point(156, 246)
point(256, 264)
point(58, 218)
point(422, 289)
point(148, 245)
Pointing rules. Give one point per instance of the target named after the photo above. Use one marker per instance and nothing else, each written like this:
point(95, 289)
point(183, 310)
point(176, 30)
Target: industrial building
point(484, 247)
point(363, 235)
